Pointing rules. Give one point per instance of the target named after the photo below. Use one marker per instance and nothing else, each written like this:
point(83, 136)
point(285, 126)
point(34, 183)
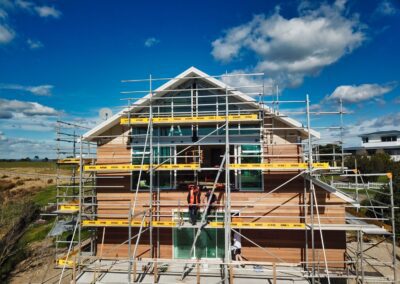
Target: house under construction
point(126, 200)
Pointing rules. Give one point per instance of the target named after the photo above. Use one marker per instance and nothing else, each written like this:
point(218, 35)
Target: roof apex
point(114, 120)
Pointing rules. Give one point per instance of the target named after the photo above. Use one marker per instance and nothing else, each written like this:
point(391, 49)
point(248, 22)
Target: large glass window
point(251, 180)
point(210, 243)
point(162, 179)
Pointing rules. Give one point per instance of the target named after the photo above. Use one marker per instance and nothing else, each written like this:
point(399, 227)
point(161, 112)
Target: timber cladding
point(277, 245)
point(281, 206)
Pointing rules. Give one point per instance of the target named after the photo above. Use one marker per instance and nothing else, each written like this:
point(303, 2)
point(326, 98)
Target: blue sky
point(66, 58)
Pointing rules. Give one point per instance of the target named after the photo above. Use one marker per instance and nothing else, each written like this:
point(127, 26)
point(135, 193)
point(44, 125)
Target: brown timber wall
point(282, 206)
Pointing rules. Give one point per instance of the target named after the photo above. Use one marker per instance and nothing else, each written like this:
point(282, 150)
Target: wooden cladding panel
point(278, 245)
point(284, 204)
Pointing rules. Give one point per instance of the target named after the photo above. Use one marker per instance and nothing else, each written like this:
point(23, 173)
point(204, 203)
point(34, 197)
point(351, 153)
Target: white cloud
point(288, 50)
point(386, 8)
point(18, 109)
point(34, 44)
point(386, 122)
point(250, 85)
point(24, 4)
point(7, 34)
point(3, 14)
point(353, 93)
point(151, 41)
point(41, 90)
point(17, 148)
point(47, 11)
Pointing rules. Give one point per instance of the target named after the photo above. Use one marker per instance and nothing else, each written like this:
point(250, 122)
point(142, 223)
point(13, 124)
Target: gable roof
point(187, 75)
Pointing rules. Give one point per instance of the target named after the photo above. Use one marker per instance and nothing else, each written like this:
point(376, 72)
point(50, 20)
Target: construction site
point(212, 179)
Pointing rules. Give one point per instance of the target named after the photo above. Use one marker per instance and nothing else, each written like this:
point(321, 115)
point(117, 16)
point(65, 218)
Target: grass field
point(28, 164)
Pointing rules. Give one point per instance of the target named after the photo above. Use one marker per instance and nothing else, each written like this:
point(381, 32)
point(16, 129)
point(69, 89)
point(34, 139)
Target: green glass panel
point(220, 240)
point(183, 240)
point(251, 179)
point(210, 243)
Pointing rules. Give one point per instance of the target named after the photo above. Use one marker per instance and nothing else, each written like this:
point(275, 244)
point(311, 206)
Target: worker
point(193, 200)
point(209, 198)
point(236, 248)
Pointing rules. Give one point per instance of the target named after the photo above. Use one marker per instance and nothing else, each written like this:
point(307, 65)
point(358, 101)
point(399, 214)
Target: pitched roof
point(385, 132)
point(187, 75)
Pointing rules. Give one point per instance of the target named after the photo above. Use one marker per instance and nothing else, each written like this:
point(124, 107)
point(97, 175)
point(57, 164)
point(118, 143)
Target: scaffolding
point(174, 111)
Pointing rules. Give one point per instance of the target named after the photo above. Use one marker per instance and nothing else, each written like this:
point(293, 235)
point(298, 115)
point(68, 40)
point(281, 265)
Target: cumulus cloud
point(15, 108)
point(386, 8)
point(354, 94)
point(47, 11)
point(41, 11)
point(40, 90)
point(17, 148)
point(288, 50)
point(7, 32)
point(251, 85)
point(34, 44)
point(386, 122)
point(151, 41)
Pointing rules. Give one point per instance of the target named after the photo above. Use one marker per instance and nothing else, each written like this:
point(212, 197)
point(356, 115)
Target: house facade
point(149, 154)
point(379, 142)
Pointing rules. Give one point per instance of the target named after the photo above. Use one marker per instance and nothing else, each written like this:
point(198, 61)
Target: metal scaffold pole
point(80, 198)
point(151, 170)
point(392, 209)
point(311, 188)
point(341, 133)
point(227, 193)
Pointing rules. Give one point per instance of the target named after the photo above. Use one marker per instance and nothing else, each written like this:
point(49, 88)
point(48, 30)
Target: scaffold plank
point(190, 119)
point(61, 262)
point(278, 166)
point(112, 223)
point(68, 208)
point(259, 225)
point(128, 167)
point(69, 161)
point(73, 161)
point(172, 224)
point(193, 167)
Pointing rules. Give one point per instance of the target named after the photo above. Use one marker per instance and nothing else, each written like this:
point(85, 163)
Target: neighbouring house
point(379, 142)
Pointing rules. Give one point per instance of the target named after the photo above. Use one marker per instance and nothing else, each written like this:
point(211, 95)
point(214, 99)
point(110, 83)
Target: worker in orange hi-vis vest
point(193, 200)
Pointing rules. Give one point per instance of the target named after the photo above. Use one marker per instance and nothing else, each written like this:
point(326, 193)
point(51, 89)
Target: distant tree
point(327, 152)
point(380, 163)
point(45, 159)
point(36, 158)
point(377, 163)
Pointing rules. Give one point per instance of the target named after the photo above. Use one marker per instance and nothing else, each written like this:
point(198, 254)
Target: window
point(162, 179)
point(250, 180)
point(365, 139)
point(210, 243)
point(175, 130)
point(388, 138)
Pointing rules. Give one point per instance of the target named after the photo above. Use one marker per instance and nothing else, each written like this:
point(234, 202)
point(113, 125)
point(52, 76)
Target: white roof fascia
point(114, 120)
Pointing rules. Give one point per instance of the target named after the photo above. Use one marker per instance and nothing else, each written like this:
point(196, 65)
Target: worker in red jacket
point(193, 199)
